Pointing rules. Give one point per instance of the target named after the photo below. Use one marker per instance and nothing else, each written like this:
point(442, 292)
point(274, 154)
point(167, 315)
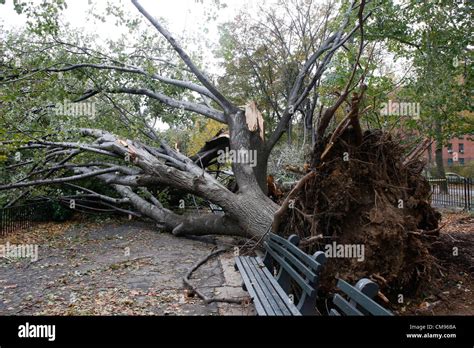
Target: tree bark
point(440, 172)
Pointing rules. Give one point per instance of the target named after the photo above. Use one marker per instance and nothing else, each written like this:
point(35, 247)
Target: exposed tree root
point(365, 195)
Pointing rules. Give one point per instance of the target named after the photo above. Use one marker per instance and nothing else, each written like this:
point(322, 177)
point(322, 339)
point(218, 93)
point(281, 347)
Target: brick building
point(459, 151)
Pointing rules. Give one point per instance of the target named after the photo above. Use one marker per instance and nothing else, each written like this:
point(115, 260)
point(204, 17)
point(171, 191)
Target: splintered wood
point(254, 119)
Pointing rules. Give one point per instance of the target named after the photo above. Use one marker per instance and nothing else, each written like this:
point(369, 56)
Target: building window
point(461, 161)
point(461, 137)
point(450, 162)
point(450, 148)
point(461, 148)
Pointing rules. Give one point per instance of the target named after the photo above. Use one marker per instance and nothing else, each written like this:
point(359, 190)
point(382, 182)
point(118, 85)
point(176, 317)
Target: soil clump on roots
point(367, 196)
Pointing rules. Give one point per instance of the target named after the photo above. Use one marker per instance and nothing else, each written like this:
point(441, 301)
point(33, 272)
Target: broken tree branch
point(204, 297)
point(223, 102)
point(278, 216)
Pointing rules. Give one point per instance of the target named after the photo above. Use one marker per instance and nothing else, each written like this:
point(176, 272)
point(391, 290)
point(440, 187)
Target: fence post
point(467, 193)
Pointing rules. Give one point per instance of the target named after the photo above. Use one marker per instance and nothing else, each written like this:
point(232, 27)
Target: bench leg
point(307, 305)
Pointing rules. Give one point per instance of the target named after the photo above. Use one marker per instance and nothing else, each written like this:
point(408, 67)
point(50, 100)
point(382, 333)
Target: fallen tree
point(128, 165)
point(350, 193)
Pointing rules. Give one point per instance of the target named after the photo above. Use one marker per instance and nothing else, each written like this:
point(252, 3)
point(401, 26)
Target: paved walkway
point(124, 268)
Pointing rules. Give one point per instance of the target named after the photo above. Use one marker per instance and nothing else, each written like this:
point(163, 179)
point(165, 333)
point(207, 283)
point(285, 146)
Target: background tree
point(432, 38)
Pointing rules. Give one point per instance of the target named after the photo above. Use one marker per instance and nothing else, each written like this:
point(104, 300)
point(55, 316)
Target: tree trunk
point(440, 173)
point(430, 154)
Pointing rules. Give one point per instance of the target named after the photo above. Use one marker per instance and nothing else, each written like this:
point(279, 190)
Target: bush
point(285, 155)
point(60, 213)
point(466, 170)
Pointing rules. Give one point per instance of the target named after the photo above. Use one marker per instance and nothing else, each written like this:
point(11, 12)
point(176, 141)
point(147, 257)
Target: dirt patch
point(451, 291)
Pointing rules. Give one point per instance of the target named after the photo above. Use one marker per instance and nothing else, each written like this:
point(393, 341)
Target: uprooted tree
point(361, 187)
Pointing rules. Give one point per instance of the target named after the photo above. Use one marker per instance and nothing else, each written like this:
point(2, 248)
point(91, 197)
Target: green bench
point(270, 282)
point(359, 299)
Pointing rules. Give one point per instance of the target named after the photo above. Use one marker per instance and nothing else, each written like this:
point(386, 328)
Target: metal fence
point(23, 216)
point(452, 193)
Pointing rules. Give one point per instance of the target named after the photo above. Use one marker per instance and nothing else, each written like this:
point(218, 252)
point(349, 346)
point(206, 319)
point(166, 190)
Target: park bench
point(359, 299)
point(272, 282)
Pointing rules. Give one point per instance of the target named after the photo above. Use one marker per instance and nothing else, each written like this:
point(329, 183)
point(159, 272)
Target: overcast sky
point(184, 18)
point(182, 15)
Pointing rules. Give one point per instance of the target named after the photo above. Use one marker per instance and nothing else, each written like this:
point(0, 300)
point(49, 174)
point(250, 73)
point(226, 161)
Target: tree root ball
point(366, 200)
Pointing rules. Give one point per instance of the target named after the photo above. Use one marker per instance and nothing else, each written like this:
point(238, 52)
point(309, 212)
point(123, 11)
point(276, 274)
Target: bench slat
point(294, 275)
point(363, 300)
point(250, 288)
point(345, 306)
point(268, 301)
point(300, 254)
point(334, 313)
point(311, 276)
point(269, 298)
point(291, 306)
point(261, 296)
point(277, 300)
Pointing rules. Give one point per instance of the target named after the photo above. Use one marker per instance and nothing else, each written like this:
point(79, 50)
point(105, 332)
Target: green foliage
point(433, 38)
point(59, 213)
point(42, 18)
point(466, 170)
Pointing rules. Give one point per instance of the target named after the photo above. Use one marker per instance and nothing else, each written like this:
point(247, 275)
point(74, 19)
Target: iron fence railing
point(23, 216)
point(452, 193)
